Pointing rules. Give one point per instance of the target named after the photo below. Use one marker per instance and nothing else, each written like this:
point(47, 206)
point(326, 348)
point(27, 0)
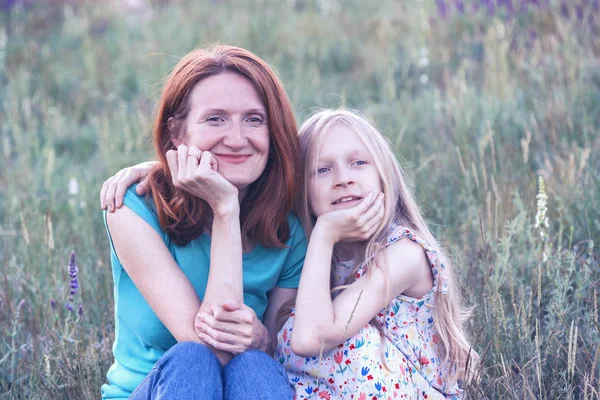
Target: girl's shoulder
point(405, 246)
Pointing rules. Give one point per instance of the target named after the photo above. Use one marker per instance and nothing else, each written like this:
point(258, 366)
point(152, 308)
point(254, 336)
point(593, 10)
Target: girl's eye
point(322, 170)
point(361, 162)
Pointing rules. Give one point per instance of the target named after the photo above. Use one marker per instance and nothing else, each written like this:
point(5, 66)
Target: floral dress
point(355, 369)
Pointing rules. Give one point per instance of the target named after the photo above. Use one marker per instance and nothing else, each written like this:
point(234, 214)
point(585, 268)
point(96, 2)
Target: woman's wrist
point(227, 209)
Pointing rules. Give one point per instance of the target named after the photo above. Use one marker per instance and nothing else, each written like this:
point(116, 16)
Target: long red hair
point(263, 212)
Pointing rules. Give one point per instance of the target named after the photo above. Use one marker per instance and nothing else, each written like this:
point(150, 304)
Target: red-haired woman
point(203, 264)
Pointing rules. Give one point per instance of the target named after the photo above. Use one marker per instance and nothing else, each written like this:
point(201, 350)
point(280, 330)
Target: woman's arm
point(155, 273)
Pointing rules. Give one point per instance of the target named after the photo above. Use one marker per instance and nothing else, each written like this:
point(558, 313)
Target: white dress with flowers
point(354, 370)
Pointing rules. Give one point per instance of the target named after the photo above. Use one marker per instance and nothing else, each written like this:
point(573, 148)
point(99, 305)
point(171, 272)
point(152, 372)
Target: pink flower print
point(362, 396)
point(324, 395)
point(423, 360)
point(338, 357)
point(285, 335)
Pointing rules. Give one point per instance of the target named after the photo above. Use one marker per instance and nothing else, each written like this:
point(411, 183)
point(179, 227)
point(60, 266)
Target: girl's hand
point(196, 172)
point(232, 327)
point(354, 224)
point(113, 189)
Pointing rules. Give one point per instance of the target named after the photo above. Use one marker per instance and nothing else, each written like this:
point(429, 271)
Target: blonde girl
point(377, 313)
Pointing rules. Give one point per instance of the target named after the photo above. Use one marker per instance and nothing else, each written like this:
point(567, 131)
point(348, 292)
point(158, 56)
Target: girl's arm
point(113, 189)
point(322, 324)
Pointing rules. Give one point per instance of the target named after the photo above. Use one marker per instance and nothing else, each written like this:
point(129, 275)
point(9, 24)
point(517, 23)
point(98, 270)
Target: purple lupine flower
point(460, 6)
point(442, 8)
point(80, 310)
point(53, 304)
point(74, 284)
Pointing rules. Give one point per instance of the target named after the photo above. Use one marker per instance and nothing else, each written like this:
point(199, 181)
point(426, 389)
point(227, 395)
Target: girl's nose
point(343, 178)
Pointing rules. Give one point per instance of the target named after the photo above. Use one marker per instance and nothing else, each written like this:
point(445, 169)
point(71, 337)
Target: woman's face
point(228, 118)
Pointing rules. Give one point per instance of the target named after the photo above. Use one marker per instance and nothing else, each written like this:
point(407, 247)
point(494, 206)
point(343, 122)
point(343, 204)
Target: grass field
point(494, 110)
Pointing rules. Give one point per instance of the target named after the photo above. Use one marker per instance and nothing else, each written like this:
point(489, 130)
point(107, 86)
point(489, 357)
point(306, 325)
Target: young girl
point(377, 313)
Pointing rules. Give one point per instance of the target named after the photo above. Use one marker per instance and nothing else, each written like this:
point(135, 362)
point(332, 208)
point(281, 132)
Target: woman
point(220, 199)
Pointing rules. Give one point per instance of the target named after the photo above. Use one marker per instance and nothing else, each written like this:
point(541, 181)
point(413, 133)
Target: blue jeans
point(191, 371)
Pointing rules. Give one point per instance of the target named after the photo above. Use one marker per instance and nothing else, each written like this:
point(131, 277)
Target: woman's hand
point(113, 189)
point(354, 224)
point(197, 173)
point(232, 327)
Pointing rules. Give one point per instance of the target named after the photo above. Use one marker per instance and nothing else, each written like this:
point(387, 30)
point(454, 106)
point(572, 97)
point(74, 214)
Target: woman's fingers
point(205, 322)
point(182, 152)
point(193, 158)
point(173, 165)
point(233, 348)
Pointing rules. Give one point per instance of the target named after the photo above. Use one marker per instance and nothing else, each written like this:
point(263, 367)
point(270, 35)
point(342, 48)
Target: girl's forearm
point(314, 312)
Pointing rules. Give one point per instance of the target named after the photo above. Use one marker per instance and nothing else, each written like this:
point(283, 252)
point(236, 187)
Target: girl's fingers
point(375, 207)
point(364, 205)
point(103, 192)
point(128, 179)
point(110, 192)
point(142, 187)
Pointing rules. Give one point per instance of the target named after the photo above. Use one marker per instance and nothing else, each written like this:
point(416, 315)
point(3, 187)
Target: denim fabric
point(191, 371)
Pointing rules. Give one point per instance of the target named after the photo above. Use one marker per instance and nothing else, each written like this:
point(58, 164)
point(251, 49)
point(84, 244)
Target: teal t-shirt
point(141, 338)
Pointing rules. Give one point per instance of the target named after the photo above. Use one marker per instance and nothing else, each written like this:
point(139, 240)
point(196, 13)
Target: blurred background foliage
point(480, 99)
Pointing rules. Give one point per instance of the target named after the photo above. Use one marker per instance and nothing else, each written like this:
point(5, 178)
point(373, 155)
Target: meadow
point(492, 106)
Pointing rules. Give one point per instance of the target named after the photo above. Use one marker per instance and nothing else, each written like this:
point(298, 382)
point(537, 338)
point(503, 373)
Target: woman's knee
point(190, 355)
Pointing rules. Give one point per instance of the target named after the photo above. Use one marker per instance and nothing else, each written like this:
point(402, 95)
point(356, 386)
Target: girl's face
point(344, 173)
point(228, 118)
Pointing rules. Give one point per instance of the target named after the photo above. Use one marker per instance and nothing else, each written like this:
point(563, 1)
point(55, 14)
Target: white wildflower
point(541, 219)
point(73, 187)
point(424, 79)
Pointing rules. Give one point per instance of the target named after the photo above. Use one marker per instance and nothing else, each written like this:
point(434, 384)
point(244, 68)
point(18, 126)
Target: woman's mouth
point(233, 158)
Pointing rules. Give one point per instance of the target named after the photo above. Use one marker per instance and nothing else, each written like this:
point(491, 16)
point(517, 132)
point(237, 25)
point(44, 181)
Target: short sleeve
point(292, 268)
point(144, 208)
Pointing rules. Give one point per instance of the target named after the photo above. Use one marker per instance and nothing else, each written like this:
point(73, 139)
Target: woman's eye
point(214, 119)
point(255, 120)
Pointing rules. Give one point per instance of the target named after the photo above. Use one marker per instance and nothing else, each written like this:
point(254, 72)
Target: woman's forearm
point(225, 273)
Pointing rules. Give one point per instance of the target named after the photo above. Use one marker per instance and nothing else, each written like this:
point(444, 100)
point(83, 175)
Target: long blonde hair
point(399, 208)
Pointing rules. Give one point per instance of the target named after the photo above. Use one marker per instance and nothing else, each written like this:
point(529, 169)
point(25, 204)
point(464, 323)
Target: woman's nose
point(235, 137)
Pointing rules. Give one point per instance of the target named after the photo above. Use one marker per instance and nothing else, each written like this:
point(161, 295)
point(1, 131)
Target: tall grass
point(479, 105)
